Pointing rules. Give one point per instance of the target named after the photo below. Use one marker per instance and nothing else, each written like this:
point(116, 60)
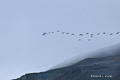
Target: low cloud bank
point(103, 52)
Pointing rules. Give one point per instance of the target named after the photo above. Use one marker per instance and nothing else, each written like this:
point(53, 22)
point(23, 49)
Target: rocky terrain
point(101, 68)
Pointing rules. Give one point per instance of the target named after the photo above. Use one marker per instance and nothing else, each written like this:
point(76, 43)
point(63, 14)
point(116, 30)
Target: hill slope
point(103, 68)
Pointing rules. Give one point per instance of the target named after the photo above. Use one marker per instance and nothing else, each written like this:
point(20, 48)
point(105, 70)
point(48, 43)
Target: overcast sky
point(23, 48)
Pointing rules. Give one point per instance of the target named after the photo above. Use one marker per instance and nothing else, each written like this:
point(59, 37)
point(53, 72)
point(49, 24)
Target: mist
point(102, 52)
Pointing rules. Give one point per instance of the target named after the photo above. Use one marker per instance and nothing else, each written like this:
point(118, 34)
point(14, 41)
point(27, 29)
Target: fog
point(102, 52)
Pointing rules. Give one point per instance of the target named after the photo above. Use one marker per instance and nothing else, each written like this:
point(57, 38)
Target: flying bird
point(62, 32)
point(91, 35)
point(98, 33)
point(72, 34)
point(52, 32)
point(117, 32)
point(80, 34)
point(87, 33)
point(104, 33)
point(58, 31)
point(79, 39)
point(67, 33)
point(44, 33)
point(111, 33)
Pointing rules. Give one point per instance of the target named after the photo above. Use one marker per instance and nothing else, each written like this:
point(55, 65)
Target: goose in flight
point(62, 32)
point(104, 33)
point(72, 34)
point(111, 33)
point(80, 34)
point(98, 33)
point(79, 39)
point(58, 31)
point(67, 33)
point(44, 33)
point(117, 32)
point(91, 35)
point(87, 33)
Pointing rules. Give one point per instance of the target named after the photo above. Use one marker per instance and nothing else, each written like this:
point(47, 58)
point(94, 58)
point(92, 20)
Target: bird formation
point(72, 34)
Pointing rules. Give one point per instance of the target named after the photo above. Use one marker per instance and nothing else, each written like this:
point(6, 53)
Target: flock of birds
point(91, 35)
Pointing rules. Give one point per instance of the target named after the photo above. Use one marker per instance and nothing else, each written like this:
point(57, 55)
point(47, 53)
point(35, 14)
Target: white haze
point(103, 52)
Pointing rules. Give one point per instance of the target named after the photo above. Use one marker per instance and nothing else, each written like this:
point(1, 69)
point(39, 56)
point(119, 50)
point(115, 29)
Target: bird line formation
point(87, 33)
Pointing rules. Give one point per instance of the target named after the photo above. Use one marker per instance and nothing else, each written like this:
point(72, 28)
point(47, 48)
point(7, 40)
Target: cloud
point(103, 52)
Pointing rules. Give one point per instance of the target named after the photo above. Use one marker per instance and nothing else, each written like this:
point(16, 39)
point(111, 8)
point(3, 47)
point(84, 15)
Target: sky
point(23, 48)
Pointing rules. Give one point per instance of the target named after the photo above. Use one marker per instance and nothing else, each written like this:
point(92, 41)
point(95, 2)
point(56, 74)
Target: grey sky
point(24, 49)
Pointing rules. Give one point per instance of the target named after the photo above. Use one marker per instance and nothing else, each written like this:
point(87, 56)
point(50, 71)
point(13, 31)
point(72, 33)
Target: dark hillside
point(103, 68)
